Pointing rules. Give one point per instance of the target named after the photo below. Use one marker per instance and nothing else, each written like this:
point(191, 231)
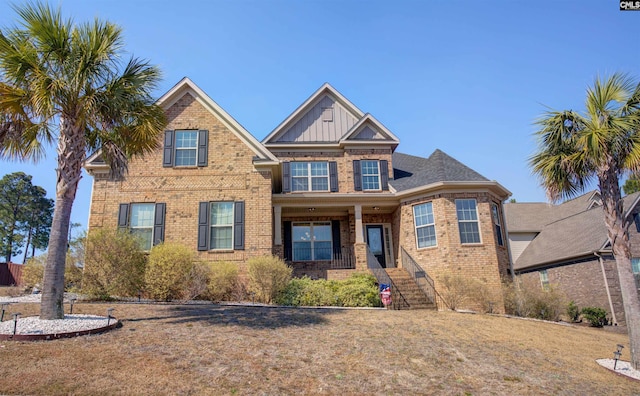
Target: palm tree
point(54, 72)
point(603, 144)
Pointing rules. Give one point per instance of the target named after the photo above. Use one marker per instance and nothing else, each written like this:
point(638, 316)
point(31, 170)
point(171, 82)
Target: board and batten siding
point(312, 128)
point(518, 242)
point(368, 133)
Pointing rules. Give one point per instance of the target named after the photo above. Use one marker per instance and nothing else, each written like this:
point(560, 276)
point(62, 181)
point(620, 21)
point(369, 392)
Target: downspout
point(508, 243)
point(606, 286)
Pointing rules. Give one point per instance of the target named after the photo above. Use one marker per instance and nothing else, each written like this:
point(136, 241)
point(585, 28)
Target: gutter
point(606, 285)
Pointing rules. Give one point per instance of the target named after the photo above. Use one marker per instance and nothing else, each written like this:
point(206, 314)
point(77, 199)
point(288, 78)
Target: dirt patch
point(212, 349)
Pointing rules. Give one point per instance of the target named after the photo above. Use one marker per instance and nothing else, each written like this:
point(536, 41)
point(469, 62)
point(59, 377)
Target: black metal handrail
point(423, 279)
point(397, 299)
point(342, 258)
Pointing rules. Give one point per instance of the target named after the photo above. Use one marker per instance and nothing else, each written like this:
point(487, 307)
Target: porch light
point(376, 208)
point(311, 209)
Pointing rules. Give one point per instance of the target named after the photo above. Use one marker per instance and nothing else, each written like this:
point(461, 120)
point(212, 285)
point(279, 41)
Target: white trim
point(325, 89)
point(415, 226)
point(358, 126)
point(233, 211)
point(477, 221)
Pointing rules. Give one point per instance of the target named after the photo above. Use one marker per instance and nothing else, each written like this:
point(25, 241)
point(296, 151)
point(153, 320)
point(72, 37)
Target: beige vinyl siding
point(518, 242)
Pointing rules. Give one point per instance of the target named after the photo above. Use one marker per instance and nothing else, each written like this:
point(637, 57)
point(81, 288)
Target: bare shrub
point(481, 295)
point(223, 281)
point(455, 291)
point(114, 264)
point(33, 272)
point(534, 302)
point(268, 277)
point(170, 271)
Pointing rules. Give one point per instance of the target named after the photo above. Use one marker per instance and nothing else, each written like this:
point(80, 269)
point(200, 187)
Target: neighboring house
point(325, 191)
point(566, 246)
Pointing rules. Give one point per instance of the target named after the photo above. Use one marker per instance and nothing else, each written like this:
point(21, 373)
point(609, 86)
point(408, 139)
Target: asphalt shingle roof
point(410, 171)
point(570, 237)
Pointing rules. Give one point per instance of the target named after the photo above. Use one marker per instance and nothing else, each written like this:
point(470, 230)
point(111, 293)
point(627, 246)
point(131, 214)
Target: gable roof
point(369, 129)
point(575, 235)
point(186, 86)
point(411, 172)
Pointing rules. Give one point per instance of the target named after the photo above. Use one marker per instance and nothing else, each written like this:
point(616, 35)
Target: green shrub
point(268, 277)
point(113, 265)
point(223, 281)
point(359, 290)
point(172, 274)
point(597, 317)
point(573, 312)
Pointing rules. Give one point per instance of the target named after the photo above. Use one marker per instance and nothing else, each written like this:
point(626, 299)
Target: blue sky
point(467, 77)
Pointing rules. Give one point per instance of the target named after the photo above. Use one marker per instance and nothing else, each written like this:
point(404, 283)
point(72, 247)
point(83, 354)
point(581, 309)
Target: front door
point(375, 240)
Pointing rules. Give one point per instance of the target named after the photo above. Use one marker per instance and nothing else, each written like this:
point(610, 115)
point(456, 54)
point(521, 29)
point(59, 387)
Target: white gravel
point(622, 367)
point(70, 323)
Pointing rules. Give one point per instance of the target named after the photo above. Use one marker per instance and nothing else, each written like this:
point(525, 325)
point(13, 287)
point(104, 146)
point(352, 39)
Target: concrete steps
point(409, 288)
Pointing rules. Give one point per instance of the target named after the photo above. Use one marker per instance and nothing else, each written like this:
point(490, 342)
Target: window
point(496, 222)
point(370, 175)
point(635, 267)
point(145, 220)
point(544, 279)
point(310, 176)
point(468, 220)
point(221, 225)
point(185, 148)
point(425, 225)
point(312, 241)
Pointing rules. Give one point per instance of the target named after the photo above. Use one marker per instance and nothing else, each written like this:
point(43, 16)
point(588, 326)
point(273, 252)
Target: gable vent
point(327, 114)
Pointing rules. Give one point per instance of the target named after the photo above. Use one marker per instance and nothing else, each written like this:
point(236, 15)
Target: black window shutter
point(167, 153)
point(288, 248)
point(286, 177)
point(333, 176)
point(384, 175)
point(203, 226)
point(158, 224)
point(335, 236)
point(123, 216)
point(357, 176)
point(238, 226)
point(203, 147)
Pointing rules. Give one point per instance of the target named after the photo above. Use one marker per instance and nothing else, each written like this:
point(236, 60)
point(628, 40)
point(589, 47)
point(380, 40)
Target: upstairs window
point(425, 225)
point(315, 176)
point(495, 213)
point(145, 220)
point(468, 221)
point(185, 148)
point(371, 175)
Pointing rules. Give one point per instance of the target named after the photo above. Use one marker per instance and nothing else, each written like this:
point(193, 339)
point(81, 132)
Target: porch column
point(277, 225)
point(358, 216)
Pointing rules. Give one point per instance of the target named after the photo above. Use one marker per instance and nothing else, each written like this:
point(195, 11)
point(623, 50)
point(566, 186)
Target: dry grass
point(211, 349)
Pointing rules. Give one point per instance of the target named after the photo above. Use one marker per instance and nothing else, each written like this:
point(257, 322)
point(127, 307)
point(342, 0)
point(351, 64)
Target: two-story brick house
point(326, 191)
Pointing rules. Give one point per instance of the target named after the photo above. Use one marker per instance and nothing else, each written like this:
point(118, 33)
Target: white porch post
point(277, 225)
point(358, 216)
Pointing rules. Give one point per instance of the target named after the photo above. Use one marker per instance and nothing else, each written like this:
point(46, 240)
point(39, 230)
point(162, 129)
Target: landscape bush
point(359, 290)
point(597, 317)
point(33, 273)
point(456, 290)
point(532, 301)
point(573, 312)
point(268, 277)
point(223, 281)
point(172, 273)
point(114, 264)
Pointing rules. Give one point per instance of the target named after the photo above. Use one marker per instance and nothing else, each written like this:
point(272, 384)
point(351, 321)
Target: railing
point(337, 259)
point(397, 299)
point(423, 280)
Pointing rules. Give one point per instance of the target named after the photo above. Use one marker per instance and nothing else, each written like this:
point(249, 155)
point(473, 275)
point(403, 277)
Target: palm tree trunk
point(617, 227)
point(71, 149)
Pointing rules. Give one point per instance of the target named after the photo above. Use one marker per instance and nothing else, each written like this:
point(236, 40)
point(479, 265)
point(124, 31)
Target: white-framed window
point(310, 176)
point(544, 279)
point(467, 212)
point(425, 225)
point(635, 267)
point(495, 213)
point(312, 241)
point(141, 224)
point(221, 223)
point(370, 175)
point(186, 148)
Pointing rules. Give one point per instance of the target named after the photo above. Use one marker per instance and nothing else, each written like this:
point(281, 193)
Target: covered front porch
point(324, 238)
